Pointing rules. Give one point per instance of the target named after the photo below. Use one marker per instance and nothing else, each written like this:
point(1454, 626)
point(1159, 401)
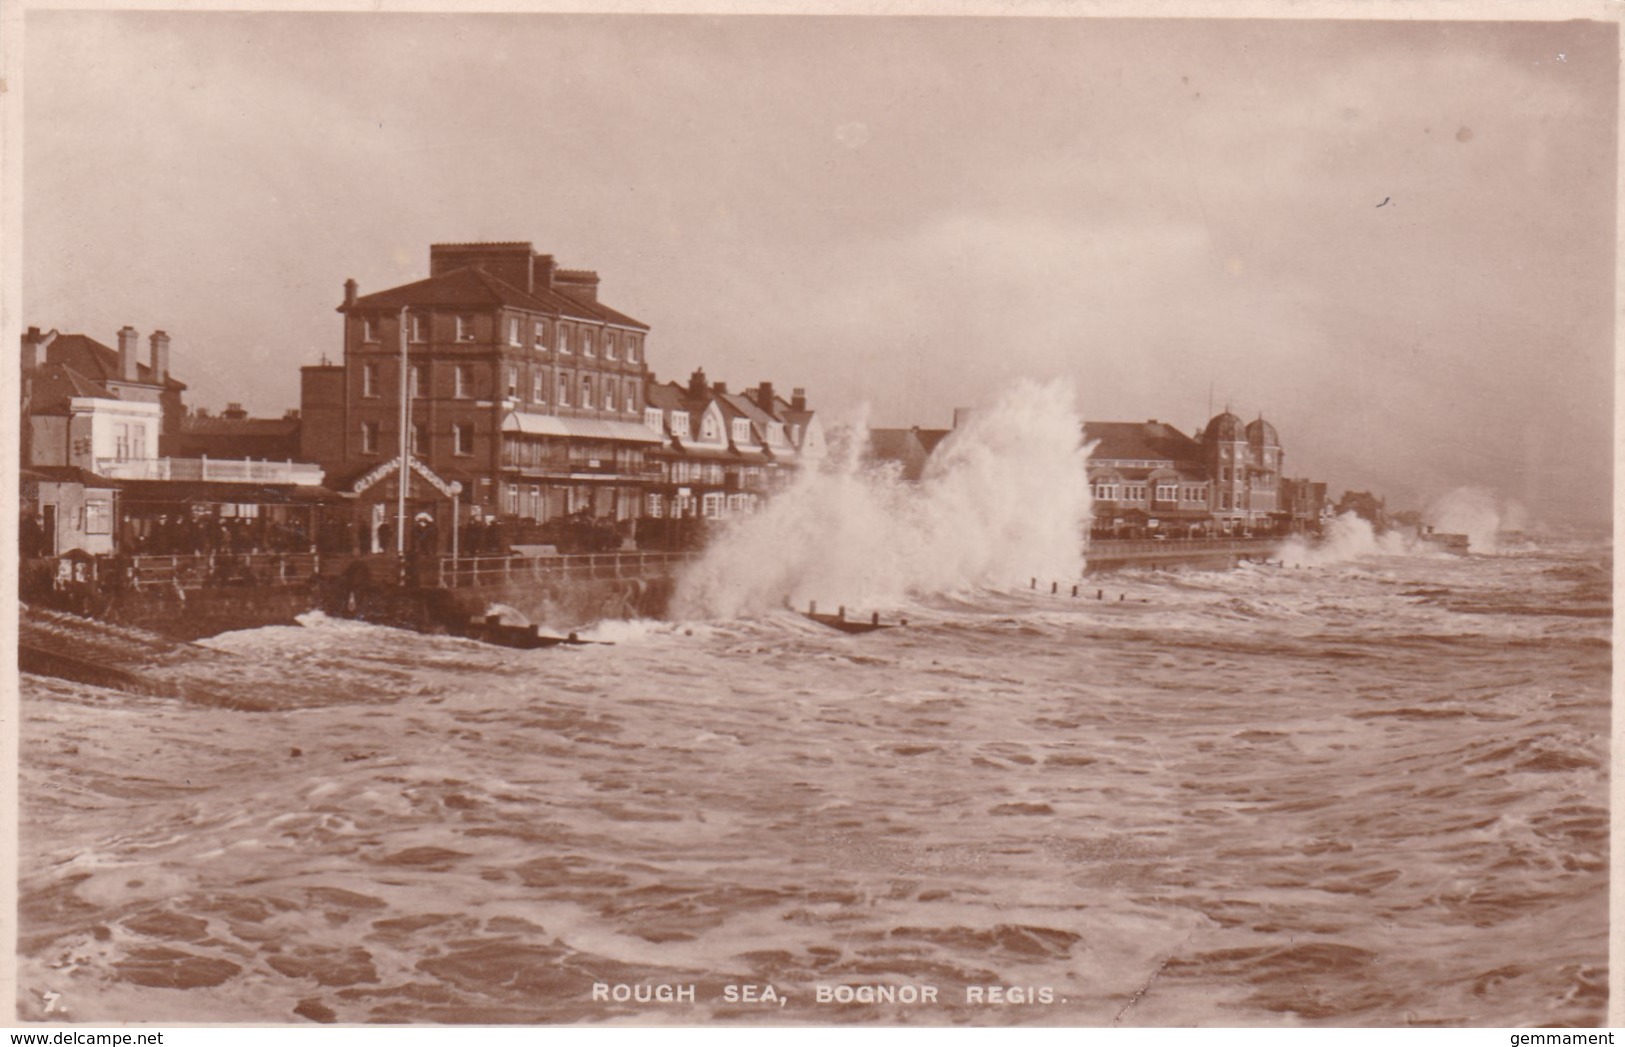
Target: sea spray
point(1474, 512)
point(1004, 497)
point(1348, 537)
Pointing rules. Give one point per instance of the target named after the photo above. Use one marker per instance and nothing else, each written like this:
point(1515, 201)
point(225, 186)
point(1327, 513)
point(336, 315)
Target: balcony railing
point(221, 470)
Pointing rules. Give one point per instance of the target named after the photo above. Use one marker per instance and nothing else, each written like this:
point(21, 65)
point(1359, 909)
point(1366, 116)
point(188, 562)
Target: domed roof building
point(1224, 428)
point(1262, 434)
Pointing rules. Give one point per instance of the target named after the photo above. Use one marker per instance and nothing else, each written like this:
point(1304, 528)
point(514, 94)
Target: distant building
point(908, 449)
point(1148, 478)
point(233, 434)
point(1244, 464)
point(1305, 502)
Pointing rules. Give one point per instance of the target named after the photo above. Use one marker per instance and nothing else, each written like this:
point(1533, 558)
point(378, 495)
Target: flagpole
point(405, 468)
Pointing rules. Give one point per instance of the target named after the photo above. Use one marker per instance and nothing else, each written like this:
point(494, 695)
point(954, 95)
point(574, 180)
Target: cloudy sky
point(1392, 239)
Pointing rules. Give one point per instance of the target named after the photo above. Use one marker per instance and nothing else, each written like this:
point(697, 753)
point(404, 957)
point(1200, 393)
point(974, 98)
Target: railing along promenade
point(474, 571)
point(445, 572)
point(1107, 549)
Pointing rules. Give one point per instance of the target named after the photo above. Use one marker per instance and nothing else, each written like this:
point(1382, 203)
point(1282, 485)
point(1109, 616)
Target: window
point(1224, 473)
point(564, 389)
point(462, 438)
point(1106, 492)
point(538, 387)
point(609, 395)
point(631, 397)
point(513, 382)
point(679, 423)
point(795, 434)
point(586, 343)
point(369, 437)
point(419, 327)
point(369, 329)
point(1224, 500)
point(541, 335)
point(369, 379)
point(708, 427)
point(461, 382)
point(98, 517)
point(632, 348)
point(654, 507)
point(586, 391)
point(420, 379)
point(1167, 492)
point(513, 331)
point(651, 418)
point(420, 438)
point(564, 339)
point(741, 431)
point(465, 327)
point(510, 503)
point(609, 345)
point(711, 507)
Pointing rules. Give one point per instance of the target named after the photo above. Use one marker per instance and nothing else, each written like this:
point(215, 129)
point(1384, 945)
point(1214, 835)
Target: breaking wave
point(1005, 496)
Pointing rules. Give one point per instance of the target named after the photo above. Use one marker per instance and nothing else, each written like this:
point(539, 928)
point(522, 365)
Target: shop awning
point(532, 424)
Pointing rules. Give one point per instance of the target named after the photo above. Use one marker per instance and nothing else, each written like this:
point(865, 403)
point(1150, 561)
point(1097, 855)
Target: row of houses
point(1150, 479)
point(513, 396)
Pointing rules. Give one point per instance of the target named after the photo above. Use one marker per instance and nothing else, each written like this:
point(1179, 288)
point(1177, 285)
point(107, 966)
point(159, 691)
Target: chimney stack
point(129, 339)
point(349, 293)
point(961, 416)
point(696, 382)
point(33, 343)
point(720, 388)
point(160, 357)
point(234, 411)
point(764, 397)
point(798, 399)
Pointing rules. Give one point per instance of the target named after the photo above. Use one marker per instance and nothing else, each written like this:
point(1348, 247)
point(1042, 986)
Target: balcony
point(218, 470)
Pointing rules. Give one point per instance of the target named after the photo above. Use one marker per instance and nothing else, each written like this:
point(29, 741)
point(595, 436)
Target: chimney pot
point(350, 287)
point(720, 387)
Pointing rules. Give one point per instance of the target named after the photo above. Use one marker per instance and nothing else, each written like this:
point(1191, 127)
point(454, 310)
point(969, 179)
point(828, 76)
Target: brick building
point(526, 391)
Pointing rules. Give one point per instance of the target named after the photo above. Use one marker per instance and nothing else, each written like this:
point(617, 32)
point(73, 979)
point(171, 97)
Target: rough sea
point(1367, 786)
point(1367, 789)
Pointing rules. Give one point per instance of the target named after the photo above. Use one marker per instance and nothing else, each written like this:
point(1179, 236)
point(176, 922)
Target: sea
point(1365, 784)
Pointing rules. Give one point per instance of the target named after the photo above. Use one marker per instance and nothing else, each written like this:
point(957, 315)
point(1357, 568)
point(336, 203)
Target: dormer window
point(652, 418)
point(708, 428)
point(679, 424)
point(741, 431)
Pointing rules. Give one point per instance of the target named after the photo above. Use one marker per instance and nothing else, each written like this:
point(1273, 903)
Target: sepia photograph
point(1030, 517)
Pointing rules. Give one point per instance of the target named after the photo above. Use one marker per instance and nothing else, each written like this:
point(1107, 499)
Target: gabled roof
point(473, 287)
point(747, 407)
point(1155, 441)
point(668, 396)
point(96, 361)
point(55, 384)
